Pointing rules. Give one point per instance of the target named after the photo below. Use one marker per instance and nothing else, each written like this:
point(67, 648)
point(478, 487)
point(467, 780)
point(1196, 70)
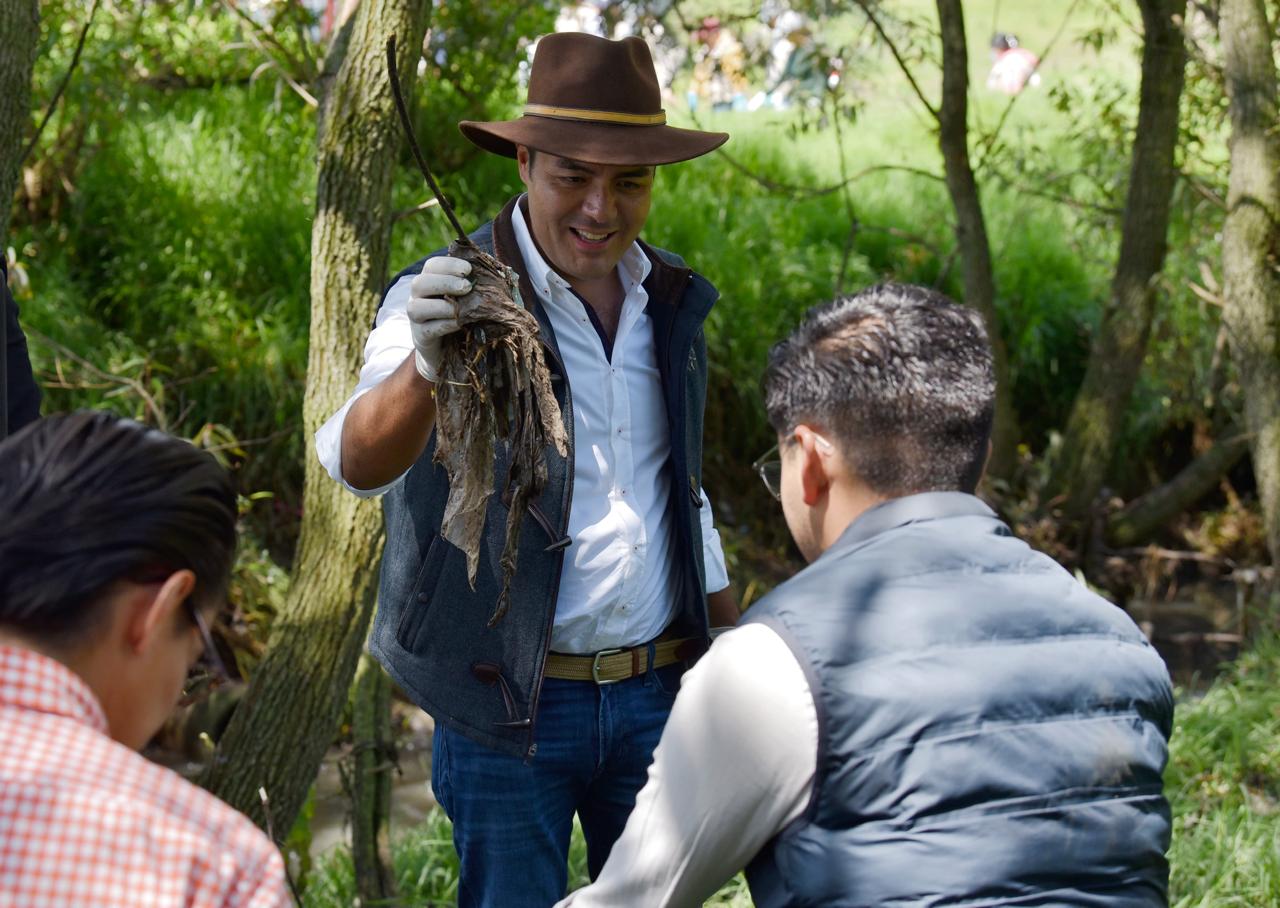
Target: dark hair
point(900, 377)
point(88, 499)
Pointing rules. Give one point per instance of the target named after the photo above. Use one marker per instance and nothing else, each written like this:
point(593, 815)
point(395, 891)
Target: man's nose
point(599, 204)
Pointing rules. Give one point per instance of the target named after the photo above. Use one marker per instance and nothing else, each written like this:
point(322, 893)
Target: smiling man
point(554, 711)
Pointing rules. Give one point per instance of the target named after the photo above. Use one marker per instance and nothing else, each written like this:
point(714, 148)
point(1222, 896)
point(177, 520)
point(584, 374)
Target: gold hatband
point(596, 116)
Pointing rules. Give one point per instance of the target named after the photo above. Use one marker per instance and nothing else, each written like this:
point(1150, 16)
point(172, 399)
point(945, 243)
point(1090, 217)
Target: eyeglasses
point(204, 679)
point(769, 466)
point(210, 672)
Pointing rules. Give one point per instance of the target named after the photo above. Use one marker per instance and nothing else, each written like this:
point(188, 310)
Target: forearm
point(387, 429)
point(722, 608)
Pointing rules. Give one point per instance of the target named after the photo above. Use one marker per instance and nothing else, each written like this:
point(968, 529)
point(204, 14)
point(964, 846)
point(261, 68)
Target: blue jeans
point(512, 819)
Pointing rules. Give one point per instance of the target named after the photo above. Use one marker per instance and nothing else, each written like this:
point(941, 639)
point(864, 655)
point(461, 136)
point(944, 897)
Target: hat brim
point(595, 143)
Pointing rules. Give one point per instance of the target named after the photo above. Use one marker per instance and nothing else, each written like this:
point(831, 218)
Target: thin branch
point(250, 442)
point(258, 29)
point(848, 201)
point(413, 142)
point(1070, 202)
point(293, 83)
point(865, 6)
point(1205, 191)
point(62, 86)
point(118, 381)
point(410, 212)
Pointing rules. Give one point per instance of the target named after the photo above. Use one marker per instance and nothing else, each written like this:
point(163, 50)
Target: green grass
point(1224, 783)
point(425, 867)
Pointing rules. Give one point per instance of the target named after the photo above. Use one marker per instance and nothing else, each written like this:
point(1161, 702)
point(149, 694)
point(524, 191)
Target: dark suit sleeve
point(24, 393)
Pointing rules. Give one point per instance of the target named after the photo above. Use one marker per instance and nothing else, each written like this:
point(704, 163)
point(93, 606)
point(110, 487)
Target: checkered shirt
point(87, 822)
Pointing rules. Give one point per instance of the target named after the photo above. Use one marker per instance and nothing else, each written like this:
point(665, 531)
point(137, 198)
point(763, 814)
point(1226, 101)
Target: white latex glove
point(432, 316)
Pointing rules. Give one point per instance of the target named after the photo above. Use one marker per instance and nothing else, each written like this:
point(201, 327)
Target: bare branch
point(413, 142)
point(110, 378)
point(258, 30)
point(410, 212)
point(62, 86)
point(865, 6)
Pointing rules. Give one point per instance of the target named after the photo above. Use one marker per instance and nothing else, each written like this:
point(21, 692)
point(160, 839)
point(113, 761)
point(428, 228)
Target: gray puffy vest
point(431, 629)
point(990, 732)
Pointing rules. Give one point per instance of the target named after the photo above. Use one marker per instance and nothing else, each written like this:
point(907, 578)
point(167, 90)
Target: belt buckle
point(595, 666)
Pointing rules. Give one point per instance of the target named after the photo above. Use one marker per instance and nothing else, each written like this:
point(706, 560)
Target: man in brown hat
point(555, 710)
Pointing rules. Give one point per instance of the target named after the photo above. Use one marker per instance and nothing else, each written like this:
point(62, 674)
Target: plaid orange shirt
point(85, 821)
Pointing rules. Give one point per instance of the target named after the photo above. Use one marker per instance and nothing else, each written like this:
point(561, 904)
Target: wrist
point(425, 368)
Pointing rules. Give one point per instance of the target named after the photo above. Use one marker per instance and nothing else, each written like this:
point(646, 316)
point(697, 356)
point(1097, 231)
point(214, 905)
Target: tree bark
point(1120, 345)
point(287, 718)
point(1144, 516)
point(1251, 241)
point(19, 38)
point(971, 226)
point(373, 762)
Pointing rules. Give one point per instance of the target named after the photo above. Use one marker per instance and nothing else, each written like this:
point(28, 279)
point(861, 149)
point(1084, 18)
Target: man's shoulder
point(139, 805)
point(161, 799)
point(668, 257)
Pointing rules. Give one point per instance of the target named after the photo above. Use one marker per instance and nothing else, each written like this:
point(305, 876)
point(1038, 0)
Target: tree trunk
point(1121, 342)
point(373, 762)
point(1144, 516)
point(1251, 241)
point(287, 718)
point(19, 38)
point(971, 227)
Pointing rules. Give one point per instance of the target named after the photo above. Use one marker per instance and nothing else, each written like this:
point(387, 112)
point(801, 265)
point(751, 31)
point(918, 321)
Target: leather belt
point(610, 666)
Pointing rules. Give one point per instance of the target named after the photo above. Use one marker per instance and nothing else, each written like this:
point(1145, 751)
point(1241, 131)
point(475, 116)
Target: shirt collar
point(898, 512)
point(634, 266)
point(31, 681)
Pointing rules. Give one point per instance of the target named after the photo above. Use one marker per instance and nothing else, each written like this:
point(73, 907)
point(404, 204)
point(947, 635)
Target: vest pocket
point(415, 608)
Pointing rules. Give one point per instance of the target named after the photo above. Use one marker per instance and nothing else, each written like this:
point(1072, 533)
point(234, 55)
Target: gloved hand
point(432, 317)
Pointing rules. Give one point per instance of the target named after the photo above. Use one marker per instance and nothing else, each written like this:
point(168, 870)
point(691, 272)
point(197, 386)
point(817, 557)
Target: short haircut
point(89, 499)
point(901, 380)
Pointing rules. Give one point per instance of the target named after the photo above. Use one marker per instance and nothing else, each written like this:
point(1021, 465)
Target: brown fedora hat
point(594, 100)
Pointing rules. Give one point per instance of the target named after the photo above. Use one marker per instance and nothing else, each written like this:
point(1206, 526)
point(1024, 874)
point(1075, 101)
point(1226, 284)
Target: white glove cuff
point(425, 369)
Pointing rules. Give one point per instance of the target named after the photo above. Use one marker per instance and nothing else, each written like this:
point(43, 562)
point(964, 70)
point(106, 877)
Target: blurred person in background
point(1014, 67)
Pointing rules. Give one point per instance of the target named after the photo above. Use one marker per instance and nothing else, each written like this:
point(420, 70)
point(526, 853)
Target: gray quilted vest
point(990, 732)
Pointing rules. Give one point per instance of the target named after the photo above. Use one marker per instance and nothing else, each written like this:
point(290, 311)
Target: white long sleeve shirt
point(618, 583)
point(734, 767)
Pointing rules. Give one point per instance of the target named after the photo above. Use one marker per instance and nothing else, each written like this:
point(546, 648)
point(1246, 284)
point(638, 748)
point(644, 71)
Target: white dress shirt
point(618, 583)
point(734, 767)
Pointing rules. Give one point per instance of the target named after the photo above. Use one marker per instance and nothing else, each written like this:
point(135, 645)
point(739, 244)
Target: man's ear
point(522, 161)
point(816, 466)
point(151, 613)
